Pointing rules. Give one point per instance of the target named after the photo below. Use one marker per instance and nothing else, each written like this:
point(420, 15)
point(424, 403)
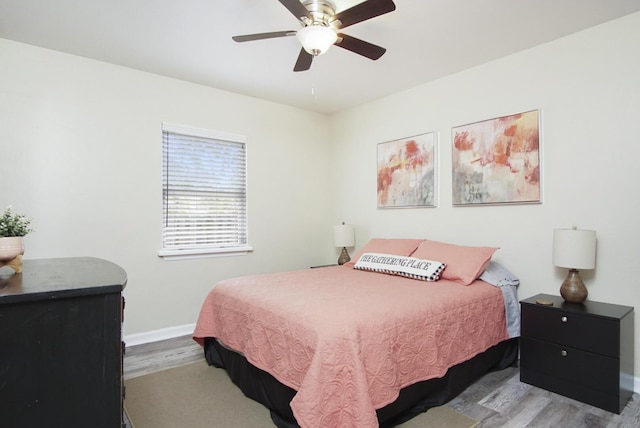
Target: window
point(204, 193)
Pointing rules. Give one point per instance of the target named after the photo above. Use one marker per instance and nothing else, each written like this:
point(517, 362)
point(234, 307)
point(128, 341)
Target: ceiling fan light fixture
point(316, 39)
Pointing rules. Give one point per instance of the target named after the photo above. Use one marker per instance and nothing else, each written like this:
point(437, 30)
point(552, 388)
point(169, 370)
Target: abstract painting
point(406, 172)
point(497, 161)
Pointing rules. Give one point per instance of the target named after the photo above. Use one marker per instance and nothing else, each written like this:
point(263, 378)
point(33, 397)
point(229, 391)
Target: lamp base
point(573, 289)
point(344, 256)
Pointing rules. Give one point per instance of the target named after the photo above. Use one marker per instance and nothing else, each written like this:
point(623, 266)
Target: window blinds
point(204, 192)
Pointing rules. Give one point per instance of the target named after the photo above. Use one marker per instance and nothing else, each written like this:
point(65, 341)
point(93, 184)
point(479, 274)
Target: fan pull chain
point(314, 93)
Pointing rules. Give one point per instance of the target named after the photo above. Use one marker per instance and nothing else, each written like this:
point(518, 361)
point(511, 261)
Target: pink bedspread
point(346, 340)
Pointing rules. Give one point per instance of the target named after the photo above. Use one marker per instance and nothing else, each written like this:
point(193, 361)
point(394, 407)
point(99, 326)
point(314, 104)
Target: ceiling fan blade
point(360, 47)
point(304, 61)
point(363, 11)
point(261, 36)
point(296, 8)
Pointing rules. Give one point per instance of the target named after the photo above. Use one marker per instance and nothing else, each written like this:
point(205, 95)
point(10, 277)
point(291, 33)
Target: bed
point(346, 346)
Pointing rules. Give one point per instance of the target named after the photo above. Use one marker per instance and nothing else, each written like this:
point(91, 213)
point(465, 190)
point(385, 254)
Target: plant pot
point(11, 247)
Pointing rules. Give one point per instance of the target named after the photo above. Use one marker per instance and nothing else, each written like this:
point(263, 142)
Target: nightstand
point(583, 351)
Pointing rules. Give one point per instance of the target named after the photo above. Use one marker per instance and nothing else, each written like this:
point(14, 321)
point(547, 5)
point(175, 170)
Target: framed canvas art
point(406, 172)
point(497, 161)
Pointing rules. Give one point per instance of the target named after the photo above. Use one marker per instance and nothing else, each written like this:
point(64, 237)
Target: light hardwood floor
point(498, 399)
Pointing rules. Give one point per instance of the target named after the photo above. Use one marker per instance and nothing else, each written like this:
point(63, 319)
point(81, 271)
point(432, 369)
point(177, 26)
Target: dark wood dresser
point(584, 351)
point(61, 344)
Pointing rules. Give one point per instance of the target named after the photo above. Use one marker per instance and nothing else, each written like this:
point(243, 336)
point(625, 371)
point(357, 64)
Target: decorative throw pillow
point(398, 247)
point(464, 264)
point(409, 267)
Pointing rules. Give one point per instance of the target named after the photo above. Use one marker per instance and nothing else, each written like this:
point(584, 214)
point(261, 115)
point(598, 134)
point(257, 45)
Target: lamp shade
point(316, 39)
point(574, 248)
point(344, 235)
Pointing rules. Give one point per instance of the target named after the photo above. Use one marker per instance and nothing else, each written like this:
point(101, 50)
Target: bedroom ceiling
point(191, 40)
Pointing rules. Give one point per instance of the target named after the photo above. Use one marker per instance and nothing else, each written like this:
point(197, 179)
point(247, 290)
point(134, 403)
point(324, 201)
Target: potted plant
point(13, 227)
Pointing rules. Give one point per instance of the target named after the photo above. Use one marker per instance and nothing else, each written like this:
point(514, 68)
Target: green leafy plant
point(12, 224)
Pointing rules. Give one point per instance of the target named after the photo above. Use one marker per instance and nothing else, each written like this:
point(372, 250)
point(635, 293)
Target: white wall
point(587, 87)
point(80, 153)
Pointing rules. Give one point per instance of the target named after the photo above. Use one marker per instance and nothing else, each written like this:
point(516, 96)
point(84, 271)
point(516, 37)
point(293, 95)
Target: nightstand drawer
point(588, 333)
point(566, 364)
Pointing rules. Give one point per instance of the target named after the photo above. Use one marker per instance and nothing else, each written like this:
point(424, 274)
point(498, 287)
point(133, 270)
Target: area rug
point(197, 395)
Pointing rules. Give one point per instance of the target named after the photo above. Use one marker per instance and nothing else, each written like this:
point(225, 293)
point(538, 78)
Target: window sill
point(198, 253)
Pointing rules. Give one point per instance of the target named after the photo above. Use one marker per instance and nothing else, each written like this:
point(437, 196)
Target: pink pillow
point(397, 247)
point(464, 264)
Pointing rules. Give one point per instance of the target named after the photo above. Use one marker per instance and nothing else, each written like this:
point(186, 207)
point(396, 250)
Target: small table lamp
point(344, 236)
point(574, 249)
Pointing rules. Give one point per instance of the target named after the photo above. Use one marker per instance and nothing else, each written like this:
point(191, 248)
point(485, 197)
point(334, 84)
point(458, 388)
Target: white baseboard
point(157, 335)
point(184, 330)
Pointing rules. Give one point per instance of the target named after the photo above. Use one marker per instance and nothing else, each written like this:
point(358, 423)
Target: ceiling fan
point(320, 26)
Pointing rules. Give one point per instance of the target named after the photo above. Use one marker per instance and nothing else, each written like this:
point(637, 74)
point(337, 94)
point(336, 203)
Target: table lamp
point(574, 249)
point(343, 236)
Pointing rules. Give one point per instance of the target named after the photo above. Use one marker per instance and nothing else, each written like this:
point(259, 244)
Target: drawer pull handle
point(564, 319)
point(563, 353)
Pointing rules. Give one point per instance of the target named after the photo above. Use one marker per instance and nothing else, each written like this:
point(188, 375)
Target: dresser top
point(47, 279)
point(589, 307)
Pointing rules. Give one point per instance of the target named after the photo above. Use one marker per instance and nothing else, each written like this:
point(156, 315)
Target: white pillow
point(410, 267)
point(498, 275)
